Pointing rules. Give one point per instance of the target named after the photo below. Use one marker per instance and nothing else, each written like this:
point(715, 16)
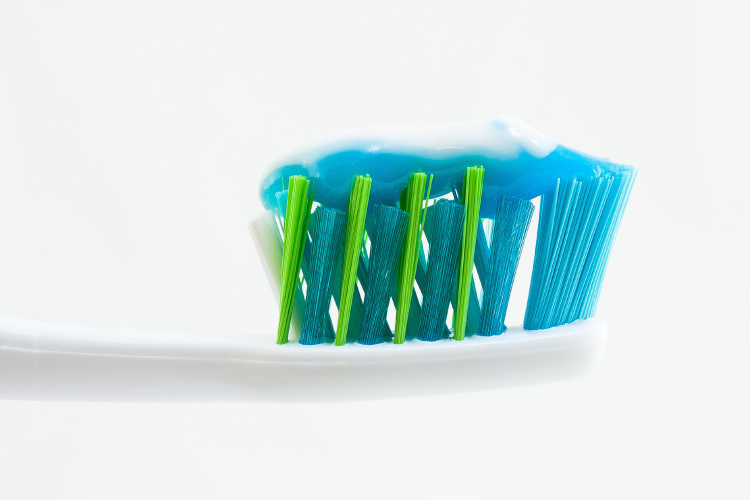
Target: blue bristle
point(421, 278)
point(482, 255)
point(480, 258)
point(512, 220)
point(387, 236)
point(622, 185)
point(577, 225)
point(327, 231)
point(586, 225)
point(448, 221)
point(305, 267)
point(363, 275)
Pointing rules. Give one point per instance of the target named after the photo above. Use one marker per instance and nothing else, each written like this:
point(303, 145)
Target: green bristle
point(474, 315)
point(472, 197)
point(355, 313)
point(295, 235)
point(355, 227)
point(412, 320)
point(414, 203)
point(270, 245)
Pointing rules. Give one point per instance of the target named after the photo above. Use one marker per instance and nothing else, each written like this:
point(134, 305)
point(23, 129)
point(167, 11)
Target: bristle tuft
point(355, 226)
point(472, 198)
point(327, 231)
point(511, 223)
point(387, 237)
point(414, 203)
point(442, 264)
point(270, 246)
point(577, 225)
point(298, 206)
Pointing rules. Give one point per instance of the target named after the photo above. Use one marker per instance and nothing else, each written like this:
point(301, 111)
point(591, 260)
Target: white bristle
point(270, 246)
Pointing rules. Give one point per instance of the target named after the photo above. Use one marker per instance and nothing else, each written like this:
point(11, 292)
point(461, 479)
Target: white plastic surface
point(44, 361)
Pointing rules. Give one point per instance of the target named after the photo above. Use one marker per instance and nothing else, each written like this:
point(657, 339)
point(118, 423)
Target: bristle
point(421, 277)
point(512, 220)
point(414, 204)
point(412, 319)
point(571, 270)
point(305, 266)
point(327, 231)
point(388, 230)
point(481, 258)
point(593, 274)
point(352, 248)
point(441, 268)
point(270, 247)
point(482, 255)
point(357, 304)
point(481, 262)
point(473, 314)
point(577, 225)
point(472, 197)
point(297, 217)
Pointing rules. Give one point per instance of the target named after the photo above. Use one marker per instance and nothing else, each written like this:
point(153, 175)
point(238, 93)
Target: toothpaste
point(518, 161)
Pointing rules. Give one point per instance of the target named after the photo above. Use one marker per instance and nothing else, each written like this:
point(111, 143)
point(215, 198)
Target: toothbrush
point(389, 224)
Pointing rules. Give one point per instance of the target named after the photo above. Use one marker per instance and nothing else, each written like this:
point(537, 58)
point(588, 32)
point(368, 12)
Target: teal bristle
point(387, 237)
point(577, 224)
point(512, 220)
point(307, 259)
point(445, 245)
point(421, 277)
point(327, 231)
point(482, 255)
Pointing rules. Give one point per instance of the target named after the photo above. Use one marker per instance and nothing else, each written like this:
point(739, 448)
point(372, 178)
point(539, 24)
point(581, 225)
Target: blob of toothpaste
point(518, 161)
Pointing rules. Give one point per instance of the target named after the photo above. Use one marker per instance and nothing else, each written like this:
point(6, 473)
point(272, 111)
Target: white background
point(132, 139)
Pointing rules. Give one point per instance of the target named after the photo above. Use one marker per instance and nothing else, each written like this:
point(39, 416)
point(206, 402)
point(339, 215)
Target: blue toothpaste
point(518, 161)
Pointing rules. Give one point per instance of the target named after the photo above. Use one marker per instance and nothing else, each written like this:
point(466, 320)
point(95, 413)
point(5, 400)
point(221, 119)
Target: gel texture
point(518, 161)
